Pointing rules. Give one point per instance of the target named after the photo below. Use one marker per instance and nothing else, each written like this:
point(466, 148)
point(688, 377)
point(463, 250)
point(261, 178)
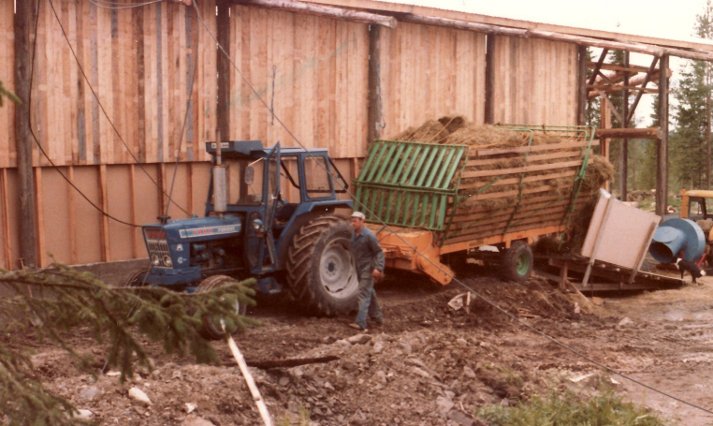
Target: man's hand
point(377, 275)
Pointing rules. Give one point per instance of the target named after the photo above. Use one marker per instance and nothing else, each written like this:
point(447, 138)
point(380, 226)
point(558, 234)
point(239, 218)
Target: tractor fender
point(303, 215)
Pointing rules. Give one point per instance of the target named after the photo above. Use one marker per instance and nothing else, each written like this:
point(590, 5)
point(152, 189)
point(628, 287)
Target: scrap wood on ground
point(515, 178)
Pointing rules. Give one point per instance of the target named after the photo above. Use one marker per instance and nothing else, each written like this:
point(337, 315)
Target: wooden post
point(662, 152)
point(605, 123)
point(376, 105)
point(624, 155)
point(224, 69)
point(582, 59)
point(490, 79)
point(27, 214)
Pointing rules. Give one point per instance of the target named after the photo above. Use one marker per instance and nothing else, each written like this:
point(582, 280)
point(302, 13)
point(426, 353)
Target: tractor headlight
point(167, 262)
point(155, 260)
point(258, 226)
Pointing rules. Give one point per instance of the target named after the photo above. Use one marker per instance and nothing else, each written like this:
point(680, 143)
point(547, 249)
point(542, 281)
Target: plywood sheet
point(619, 234)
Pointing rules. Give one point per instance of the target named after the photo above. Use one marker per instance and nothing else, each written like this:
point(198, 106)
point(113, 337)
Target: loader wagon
point(437, 204)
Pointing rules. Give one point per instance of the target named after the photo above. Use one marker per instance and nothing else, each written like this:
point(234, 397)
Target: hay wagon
point(488, 192)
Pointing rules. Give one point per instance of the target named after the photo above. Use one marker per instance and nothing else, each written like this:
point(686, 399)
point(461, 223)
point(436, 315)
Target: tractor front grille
point(157, 246)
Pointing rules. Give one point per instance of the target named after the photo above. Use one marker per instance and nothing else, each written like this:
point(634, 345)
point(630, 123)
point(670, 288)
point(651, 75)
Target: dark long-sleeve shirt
point(367, 252)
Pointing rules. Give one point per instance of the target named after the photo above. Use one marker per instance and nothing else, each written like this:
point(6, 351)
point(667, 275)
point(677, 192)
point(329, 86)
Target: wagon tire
point(516, 262)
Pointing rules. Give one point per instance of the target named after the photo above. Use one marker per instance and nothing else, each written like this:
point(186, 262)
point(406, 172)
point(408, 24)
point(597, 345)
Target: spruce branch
point(58, 300)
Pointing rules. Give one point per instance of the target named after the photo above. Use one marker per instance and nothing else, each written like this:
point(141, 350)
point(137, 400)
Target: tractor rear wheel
point(517, 262)
point(320, 270)
point(212, 328)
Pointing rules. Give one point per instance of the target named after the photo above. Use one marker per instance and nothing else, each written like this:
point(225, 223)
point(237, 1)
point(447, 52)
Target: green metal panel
point(409, 183)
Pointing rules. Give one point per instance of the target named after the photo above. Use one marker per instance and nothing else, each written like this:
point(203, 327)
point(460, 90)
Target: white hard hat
point(359, 215)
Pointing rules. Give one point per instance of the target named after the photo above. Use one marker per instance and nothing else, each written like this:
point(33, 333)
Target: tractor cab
point(696, 204)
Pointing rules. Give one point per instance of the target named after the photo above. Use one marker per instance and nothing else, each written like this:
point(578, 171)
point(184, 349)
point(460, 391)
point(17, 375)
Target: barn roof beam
point(551, 35)
point(322, 10)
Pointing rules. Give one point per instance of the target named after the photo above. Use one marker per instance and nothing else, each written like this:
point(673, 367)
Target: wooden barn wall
point(535, 81)
point(73, 231)
point(428, 72)
point(312, 72)
point(307, 72)
point(139, 63)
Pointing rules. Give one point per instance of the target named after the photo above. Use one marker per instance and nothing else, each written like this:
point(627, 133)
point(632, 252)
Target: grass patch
point(568, 409)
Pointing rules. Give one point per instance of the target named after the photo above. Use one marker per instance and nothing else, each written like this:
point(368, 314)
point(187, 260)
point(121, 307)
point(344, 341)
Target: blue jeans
point(368, 303)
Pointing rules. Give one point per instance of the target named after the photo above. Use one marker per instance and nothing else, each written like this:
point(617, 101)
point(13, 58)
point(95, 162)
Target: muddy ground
point(428, 364)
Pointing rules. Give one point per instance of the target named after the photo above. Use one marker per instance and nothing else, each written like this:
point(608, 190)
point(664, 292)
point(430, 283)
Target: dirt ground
point(428, 364)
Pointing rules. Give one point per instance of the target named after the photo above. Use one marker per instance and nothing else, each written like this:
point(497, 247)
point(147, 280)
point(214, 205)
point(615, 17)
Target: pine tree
point(59, 300)
point(690, 142)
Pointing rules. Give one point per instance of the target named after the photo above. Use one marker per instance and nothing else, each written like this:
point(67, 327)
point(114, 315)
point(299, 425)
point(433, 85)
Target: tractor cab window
point(317, 183)
point(245, 181)
point(697, 209)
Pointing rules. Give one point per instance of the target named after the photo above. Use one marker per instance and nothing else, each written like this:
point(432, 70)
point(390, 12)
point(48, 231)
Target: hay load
point(510, 179)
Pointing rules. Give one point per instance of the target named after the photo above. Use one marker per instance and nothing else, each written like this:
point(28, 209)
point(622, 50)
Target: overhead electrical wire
point(518, 320)
point(115, 5)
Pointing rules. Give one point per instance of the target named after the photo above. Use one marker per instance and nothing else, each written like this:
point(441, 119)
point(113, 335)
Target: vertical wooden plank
point(104, 237)
point(72, 217)
point(7, 76)
point(24, 29)
point(189, 188)
point(224, 71)
point(161, 189)
point(135, 233)
point(137, 117)
point(490, 79)
point(376, 105)
point(95, 56)
point(4, 196)
point(39, 205)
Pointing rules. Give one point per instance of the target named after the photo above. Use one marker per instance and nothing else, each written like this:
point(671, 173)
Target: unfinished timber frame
point(118, 102)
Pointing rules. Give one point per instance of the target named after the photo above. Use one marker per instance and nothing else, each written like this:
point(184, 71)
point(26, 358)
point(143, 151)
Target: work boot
point(358, 327)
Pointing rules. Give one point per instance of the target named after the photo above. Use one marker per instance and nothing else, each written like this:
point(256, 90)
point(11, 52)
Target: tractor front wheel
point(320, 269)
point(212, 327)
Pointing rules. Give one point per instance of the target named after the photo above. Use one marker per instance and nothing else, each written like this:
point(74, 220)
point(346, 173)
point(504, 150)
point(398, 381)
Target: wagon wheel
point(517, 262)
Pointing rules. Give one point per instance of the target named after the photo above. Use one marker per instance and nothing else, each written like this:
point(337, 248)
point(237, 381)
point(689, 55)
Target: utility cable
point(437, 266)
point(114, 5)
point(106, 115)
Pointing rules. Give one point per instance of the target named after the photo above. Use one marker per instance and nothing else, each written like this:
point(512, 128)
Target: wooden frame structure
point(362, 69)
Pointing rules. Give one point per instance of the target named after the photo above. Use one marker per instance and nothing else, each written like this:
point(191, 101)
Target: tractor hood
point(196, 229)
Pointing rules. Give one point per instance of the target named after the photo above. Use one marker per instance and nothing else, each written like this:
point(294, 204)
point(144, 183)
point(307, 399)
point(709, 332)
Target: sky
point(670, 20)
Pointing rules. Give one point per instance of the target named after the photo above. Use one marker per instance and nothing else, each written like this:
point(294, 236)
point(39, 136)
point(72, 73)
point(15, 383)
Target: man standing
point(369, 259)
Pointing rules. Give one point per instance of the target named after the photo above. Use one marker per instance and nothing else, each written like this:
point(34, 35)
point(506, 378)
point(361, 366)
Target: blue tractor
point(252, 229)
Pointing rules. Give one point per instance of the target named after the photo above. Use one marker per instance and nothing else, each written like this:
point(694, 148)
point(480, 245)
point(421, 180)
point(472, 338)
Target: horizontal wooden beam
point(630, 133)
point(550, 35)
point(686, 48)
point(321, 10)
point(631, 69)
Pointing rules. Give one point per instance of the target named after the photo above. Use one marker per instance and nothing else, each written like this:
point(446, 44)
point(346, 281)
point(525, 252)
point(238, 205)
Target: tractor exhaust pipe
point(220, 185)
